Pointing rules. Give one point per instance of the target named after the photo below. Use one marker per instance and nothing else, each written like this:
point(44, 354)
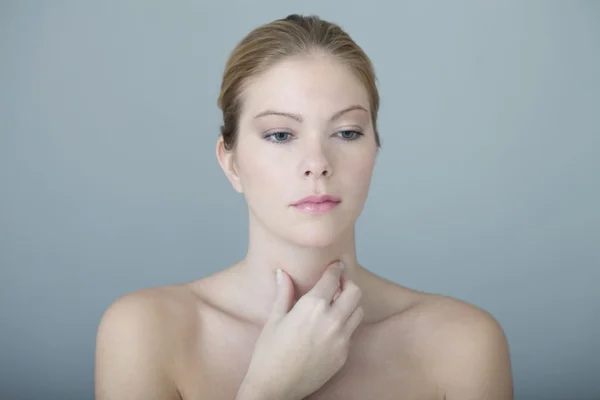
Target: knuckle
point(334, 322)
point(350, 285)
point(319, 304)
point(353, 288)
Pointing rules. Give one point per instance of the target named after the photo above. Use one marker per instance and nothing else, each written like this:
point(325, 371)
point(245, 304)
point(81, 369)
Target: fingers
point(354, 320)
point(283, 295)
point(340, 289)
point(329, 282)
point(347, 301)
point(336, 295)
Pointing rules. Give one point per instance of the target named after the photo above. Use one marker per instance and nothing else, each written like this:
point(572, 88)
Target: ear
point(228, 164)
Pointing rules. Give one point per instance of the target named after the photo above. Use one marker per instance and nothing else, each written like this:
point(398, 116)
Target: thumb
point(283, 296)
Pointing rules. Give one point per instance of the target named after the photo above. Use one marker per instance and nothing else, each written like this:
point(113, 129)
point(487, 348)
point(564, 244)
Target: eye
point(349, 135)
point(278, 137)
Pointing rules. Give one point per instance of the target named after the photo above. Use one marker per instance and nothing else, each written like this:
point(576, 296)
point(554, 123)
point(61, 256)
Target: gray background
point(486, 188)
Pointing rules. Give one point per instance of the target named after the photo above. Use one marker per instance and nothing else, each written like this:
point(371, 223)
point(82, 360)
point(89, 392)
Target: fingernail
point(279, 276)
point(342, 265)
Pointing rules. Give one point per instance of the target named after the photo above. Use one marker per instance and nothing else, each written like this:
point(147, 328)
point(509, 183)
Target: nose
point(316, 164)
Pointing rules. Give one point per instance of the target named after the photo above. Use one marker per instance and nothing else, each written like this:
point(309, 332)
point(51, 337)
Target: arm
point(132, 351)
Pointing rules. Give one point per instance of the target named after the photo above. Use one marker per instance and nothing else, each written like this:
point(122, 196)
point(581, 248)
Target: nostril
point(309, 173)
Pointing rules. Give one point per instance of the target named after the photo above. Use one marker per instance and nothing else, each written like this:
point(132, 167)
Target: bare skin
point(305, 129)
point(195, 341)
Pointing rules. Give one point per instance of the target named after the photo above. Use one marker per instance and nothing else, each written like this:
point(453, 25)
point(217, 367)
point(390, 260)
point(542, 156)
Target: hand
point(302, 348)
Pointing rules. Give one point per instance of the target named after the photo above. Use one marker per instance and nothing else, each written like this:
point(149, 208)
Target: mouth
point(317, 204)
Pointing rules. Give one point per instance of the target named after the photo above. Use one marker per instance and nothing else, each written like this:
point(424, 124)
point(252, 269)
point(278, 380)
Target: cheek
point(358, 174)
point(260, 174)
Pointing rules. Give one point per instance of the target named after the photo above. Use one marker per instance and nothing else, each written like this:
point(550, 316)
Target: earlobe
point(228, 164)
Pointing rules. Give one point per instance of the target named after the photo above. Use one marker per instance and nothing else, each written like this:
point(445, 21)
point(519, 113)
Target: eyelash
point(357, 135)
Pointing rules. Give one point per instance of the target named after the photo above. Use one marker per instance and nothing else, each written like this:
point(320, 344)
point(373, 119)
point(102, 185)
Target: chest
point(377, 368)
point(371, 373)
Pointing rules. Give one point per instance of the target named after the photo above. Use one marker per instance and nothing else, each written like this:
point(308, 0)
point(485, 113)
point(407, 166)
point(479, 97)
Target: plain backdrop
point(487, 187)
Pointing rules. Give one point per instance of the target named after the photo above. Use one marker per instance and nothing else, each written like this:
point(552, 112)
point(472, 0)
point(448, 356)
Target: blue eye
point(278, 137)
point(349, 135)
point(282, 137)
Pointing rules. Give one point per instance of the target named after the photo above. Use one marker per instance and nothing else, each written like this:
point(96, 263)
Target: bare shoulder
point(162, 308)
point(462, 347)
point(137, 342)
point(444, 314)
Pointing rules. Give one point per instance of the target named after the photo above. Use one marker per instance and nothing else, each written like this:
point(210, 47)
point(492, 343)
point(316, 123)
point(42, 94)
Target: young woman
point(298, 317)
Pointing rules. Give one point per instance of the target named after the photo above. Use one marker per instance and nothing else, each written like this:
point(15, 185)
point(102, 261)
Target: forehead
point(315, 86)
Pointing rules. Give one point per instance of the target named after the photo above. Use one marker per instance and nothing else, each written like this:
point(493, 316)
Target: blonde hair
point(270, 43)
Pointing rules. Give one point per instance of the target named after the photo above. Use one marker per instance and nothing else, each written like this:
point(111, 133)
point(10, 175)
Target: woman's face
point(305, 129)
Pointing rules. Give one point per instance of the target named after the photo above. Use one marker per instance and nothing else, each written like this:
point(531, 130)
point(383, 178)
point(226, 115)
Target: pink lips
point(317, 204)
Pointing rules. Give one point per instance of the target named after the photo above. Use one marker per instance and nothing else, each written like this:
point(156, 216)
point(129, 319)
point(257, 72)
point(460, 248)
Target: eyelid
point(276, 130)
point(267, 135)
point(357, 128)
point(357, 134)
point(350, 129)
point(272, 132)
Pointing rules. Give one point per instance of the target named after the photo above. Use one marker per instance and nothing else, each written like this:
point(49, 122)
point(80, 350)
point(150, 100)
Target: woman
point(298, 317)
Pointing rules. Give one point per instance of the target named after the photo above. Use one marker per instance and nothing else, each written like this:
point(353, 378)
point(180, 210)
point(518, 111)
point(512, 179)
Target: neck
point(305, 265)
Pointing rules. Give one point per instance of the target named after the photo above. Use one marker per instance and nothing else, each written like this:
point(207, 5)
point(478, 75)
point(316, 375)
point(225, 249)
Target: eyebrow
point(299, 118)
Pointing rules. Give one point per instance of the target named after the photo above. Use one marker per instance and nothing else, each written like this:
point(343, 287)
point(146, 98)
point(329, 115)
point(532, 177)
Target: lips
point(317, 204)
point(318, 199)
